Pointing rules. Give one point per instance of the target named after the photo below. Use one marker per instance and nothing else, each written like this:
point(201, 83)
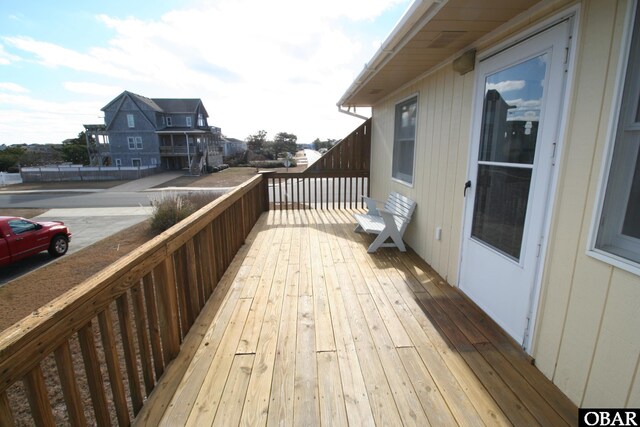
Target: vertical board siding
point(582, 342)
point(587, 337)
point(440, 166)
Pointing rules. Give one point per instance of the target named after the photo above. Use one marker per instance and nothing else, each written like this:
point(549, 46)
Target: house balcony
point(265, 308)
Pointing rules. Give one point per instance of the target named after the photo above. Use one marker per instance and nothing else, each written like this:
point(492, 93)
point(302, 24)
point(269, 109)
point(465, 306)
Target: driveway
point(88, 225)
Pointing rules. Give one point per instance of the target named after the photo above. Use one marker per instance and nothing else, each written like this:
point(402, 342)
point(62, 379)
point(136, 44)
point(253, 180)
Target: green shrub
point(172, 208)
point(266, 164)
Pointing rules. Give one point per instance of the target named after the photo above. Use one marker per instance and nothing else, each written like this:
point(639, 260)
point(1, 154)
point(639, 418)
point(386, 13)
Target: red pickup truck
point(20, 238)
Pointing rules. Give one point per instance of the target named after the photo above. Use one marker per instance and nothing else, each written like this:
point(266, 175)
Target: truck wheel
point(59, 246)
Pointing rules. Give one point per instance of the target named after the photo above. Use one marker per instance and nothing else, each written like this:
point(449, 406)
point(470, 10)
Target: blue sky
point(279, 65)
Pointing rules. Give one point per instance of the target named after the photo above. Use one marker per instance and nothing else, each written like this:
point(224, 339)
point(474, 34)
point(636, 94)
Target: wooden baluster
point(126, 331)
point(213, 254)
point(113, 366)
point(143, 338)
point(69, 384)
point(195, 299)
point(94, 376)
point(186, 316)
point(36, 391)
point(206, 257)
point(6, 417)
point(154, 328)
point(167, 308)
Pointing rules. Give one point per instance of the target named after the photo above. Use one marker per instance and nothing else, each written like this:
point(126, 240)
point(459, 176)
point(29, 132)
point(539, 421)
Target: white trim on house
point(415, 95)
point(573, 15)
point(612, 133)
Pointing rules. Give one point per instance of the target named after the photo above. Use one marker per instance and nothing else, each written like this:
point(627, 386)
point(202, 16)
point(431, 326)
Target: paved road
point(87, 227)
point(91, 215)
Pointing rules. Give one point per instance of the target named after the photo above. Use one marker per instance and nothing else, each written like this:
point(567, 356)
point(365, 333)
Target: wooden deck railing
point(319, 190)
point(337, 180)
point(153, 296)
point(353, 153)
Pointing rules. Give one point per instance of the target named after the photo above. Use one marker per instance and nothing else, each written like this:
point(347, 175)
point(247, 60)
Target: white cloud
point(6, 58)
point(13, 87)
point(93, 89)
point(525, 103)
point(506, 86)
point(279, 65)
point(24, 119)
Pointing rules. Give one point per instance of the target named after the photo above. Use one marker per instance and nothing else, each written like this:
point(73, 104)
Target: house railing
point(337, 180)
point(124, 325)
point(352, 153)
point(319, 190)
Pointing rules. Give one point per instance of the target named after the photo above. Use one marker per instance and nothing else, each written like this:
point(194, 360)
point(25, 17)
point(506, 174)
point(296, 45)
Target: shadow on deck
point(307, 328)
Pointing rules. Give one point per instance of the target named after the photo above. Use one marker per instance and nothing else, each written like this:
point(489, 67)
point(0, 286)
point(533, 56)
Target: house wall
point(119, 131)
point(587, 334)
point(444, 103)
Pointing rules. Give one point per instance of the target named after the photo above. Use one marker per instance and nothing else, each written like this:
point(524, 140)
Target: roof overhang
point(430, 33)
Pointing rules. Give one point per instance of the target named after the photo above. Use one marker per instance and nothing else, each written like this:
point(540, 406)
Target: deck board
point(313, 330)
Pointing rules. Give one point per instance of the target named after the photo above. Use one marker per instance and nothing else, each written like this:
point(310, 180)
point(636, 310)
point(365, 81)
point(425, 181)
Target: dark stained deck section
point(306, 328)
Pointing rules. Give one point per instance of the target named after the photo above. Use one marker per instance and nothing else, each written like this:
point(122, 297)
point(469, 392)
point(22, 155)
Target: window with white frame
point(200, 120)
point(118, 162)
point(134, 142)
point(618, 229)
point(188, 122)
point(404, 140)
point(131, 121)
point(136, 163)
point(169, 121)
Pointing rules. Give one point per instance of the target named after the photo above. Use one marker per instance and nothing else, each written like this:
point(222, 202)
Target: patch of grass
point(172, 208)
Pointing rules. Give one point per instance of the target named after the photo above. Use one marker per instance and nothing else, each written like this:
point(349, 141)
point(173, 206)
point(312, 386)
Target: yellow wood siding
point(444, 100)
point(587, 337)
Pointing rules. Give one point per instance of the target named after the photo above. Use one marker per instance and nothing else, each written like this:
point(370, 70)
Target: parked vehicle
point(21, 238)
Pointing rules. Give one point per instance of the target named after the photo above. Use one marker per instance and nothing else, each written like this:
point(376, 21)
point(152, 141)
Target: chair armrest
point(372, 205)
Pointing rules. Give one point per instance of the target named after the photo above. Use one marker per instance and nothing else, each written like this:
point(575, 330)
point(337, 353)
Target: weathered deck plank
point(316, 331)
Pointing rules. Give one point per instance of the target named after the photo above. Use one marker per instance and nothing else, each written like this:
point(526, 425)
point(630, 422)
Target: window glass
point(130, 120)
point(188, 121)
point(19, 226)
point(131, 142)
point(619, 225)
point(404, 140)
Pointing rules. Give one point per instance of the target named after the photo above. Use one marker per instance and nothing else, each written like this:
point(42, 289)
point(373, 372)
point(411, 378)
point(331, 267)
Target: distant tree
point(257, 142)
point(11, 158)
point(285, 143)
point(317, 144)
point(75, 150)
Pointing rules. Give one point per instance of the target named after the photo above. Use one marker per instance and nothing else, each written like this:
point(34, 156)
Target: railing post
point(265, 189)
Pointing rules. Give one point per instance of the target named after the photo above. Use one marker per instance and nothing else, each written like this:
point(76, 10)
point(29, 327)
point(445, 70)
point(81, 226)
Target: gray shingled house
point(171, 133)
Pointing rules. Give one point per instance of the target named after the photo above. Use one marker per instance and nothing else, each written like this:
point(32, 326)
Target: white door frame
point(573, 14)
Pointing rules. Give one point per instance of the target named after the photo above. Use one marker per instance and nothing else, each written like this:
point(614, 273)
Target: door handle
point(466, 185)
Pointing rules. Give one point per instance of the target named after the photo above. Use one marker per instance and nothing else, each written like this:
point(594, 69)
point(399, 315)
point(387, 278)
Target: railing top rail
point(319, 174)
point(23, 345)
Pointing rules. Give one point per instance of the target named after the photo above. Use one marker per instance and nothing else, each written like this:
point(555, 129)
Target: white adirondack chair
point(388, 222)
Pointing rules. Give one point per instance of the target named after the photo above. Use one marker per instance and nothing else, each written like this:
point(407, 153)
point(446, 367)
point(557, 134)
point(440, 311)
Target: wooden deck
point(308, 329)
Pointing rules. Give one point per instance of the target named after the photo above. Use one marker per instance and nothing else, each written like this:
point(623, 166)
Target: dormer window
point(169, 122)
point(188, 122)
point(131, 121)
point(200, 120)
